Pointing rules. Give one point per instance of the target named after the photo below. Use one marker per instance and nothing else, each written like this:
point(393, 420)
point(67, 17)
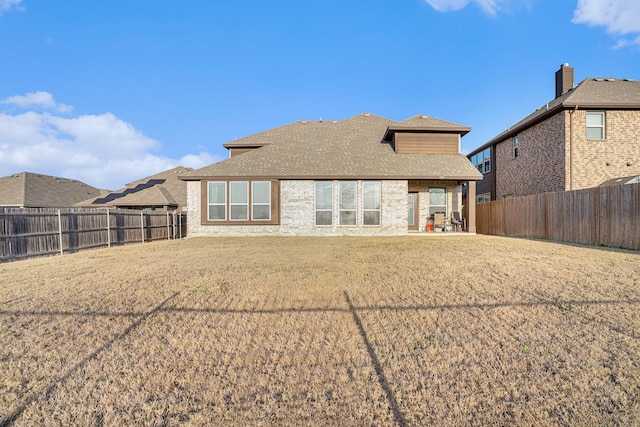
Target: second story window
point(487, 160)
point(482, 161)
point(516, 143)
point(595, 126)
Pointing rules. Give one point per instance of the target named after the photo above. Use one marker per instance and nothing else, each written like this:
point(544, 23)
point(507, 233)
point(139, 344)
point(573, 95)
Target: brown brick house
point(587, 135)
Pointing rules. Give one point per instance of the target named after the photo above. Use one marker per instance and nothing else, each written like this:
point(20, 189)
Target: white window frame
point(254, 203)
point(342, 209)
point(232, 204)
point(210, 204)
point(378, 184)
point(483, 198)
point(315, 202)
point(431, 204)
point(601, 127)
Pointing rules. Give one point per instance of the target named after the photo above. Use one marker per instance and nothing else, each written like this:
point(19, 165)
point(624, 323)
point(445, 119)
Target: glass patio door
point(412, 214)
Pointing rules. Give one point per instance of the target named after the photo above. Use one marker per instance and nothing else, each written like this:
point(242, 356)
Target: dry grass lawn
point(470, 330)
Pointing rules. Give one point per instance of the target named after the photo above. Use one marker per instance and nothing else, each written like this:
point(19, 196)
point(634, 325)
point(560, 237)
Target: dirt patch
point(332, 331)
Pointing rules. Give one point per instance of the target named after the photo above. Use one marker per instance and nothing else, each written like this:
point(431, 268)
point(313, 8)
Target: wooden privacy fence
point(27, 233)
point(608, 216)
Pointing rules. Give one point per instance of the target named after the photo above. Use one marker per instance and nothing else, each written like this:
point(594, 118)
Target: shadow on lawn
point(353, 310)
point(12, 418)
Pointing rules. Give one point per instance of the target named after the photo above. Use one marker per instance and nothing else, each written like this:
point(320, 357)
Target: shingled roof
point(591, 93)
point(32, 190)
point(161, 189)
point(351, 148)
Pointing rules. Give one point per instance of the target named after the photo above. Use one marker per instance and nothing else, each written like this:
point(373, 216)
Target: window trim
point(482, 163)
point(516, 147)
point(253, 202)
point(434, 205)
point(379, 209)
point(274, 211)
point(355, 201)
point(487, 160)
point(315, 204)
point(209, 204)
point(483, 198)
point(602, 126)
point(231, 204)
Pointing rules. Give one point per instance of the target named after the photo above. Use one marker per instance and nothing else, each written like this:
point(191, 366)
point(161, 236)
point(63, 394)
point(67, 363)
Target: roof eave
point(337, 177)
point(234, 145)
point(462, 130)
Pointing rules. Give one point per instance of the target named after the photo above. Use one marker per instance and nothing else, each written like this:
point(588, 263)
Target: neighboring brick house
point(160, 192)
point(587, 135)
point(34, 190)
point(365, 175)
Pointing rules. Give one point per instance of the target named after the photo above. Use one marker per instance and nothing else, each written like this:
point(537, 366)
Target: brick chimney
point(564, 79)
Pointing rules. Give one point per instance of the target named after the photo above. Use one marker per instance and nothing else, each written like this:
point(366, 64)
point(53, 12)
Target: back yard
point(330, 331)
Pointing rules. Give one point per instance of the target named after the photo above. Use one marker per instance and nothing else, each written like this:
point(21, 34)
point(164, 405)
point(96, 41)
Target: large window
point(353, 203)
point(348, 202)
point(371, 192)
point(261, 200)
point(437, 201)
point(217, 201)
point(240, 201)
point(482, 161)
point(324, 203)
point(595, 126)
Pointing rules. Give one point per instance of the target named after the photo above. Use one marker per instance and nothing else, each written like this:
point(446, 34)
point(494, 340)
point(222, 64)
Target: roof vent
point(424, 117)
point(366, 114)
point(305, 122)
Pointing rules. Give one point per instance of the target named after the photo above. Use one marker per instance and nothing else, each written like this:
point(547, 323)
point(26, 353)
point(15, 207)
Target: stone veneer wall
point(596, 161)
point(541, 164)
point(297, 213)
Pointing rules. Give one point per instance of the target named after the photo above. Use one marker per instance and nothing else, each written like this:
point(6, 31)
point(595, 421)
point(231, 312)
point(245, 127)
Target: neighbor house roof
point(32, 190)
point(162, 189)
point(351, 148)
point(635, 179)
point(591, 93)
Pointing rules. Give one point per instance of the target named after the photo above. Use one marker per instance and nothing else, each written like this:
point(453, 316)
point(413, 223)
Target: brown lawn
point(323, 331)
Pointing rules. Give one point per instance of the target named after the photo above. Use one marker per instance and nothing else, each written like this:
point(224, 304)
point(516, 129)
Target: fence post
point(168, 227)
point(142, 224)
point(108, 230)
point(60, 232)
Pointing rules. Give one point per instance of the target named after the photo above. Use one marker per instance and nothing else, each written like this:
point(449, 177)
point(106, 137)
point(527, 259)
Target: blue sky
point(108, 92)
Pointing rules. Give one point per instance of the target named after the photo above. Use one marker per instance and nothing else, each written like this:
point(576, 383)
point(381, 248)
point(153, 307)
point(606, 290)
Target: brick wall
point(297, 213)
point(596, 161)
point(541, 164)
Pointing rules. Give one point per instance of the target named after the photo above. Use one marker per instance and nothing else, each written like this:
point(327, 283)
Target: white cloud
point(619, 16)
point(8, 5)
point(622, 43)
point(101, 150)
point(40, 99)
point(490, 7)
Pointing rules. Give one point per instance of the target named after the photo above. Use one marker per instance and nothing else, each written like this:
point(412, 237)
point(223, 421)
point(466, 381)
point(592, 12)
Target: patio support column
point(471, 206)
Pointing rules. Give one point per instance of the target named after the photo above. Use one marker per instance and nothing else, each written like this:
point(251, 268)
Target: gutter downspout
point(571, 146)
